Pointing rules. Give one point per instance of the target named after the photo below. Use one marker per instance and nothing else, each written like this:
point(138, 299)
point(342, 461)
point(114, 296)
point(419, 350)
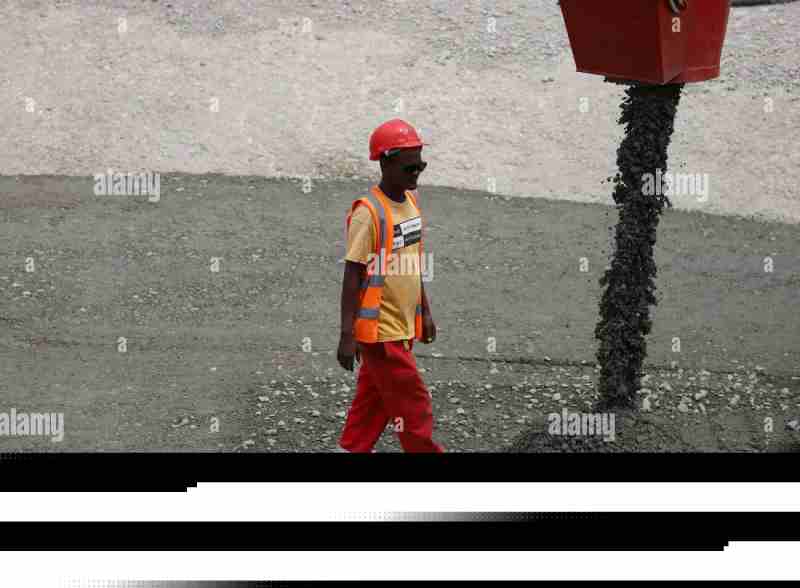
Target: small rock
point(701, 394)
point(182, 422)
point(682, 407)
point(460, 411)
point(646, 404)
point(556, 396)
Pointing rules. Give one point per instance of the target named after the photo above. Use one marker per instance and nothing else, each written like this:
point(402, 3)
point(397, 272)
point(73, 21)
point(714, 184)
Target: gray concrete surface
point(229, 345)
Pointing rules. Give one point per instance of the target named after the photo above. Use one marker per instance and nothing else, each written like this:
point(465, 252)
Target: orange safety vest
point(369, 302)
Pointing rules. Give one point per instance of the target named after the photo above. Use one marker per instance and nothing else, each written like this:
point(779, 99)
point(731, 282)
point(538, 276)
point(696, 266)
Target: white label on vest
point(407, 233)
point(411, 225)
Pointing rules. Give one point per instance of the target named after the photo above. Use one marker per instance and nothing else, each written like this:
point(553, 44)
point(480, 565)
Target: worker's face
point(401, 170)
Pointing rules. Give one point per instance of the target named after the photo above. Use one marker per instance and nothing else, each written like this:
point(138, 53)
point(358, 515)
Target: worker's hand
point(678, 6)
point(428, 328)
point(348, 348)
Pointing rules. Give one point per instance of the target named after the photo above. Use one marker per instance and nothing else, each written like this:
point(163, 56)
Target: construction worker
point(382, 309)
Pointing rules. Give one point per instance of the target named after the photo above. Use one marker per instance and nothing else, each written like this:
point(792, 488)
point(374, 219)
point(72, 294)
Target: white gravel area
point(295, 88)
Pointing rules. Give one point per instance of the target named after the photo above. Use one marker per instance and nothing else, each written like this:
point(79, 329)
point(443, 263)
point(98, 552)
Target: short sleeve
point(361, 236)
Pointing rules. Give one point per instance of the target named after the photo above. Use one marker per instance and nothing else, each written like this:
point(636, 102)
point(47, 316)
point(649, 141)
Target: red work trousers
point(389, 389)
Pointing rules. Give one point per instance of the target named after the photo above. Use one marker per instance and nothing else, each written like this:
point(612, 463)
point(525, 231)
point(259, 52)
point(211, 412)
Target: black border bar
point(164, 472)
point(484, 531)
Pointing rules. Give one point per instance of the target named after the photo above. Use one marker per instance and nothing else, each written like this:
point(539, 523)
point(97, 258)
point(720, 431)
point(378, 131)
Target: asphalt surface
point(216, 360)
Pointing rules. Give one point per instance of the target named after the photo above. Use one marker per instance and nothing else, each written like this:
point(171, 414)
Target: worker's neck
point(398, 195)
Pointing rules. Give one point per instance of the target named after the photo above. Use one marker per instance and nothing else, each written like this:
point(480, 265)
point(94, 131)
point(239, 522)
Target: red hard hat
point(393, 134)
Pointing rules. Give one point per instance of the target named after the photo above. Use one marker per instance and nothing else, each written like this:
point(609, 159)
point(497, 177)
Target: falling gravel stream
point(649, 115)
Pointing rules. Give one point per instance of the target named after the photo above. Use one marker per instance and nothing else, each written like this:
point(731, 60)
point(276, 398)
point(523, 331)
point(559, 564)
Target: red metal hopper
point(645, 41)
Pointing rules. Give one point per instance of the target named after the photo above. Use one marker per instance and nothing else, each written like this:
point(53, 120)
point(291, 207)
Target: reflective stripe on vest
point(381, 218)
point(368, 313)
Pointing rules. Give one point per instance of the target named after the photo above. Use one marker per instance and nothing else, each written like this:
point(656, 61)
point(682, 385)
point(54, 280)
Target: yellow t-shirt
point(401, 286)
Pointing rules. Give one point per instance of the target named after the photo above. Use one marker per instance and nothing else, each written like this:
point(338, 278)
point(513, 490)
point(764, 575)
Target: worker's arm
point(428, 326)
point(351, 283)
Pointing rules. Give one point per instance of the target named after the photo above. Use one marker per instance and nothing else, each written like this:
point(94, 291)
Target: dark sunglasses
point(420, 167)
